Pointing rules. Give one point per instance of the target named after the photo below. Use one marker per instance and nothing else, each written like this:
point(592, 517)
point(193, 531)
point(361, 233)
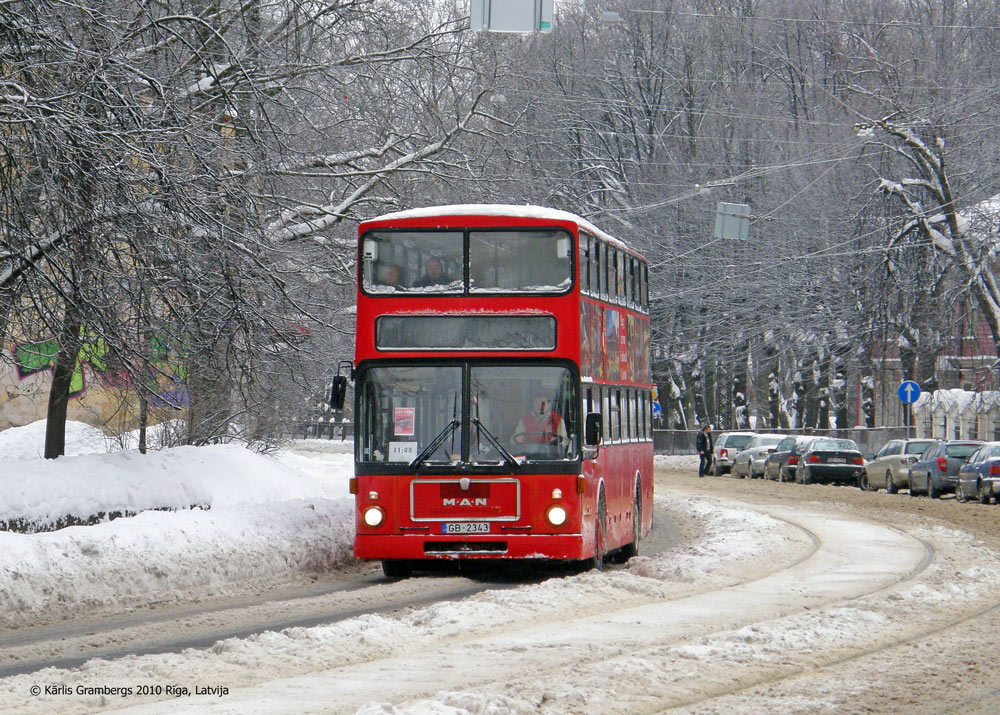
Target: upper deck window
point(519, 261)
point(474, 261)
point(413, 262)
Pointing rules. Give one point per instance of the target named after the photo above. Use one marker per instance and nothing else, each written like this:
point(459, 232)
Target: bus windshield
point(527, 412)
point(499, 261)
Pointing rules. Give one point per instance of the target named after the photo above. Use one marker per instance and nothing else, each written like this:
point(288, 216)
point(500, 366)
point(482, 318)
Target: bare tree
point(190, 165)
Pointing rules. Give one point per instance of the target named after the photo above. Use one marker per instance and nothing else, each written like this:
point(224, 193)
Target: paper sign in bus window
point(402, 451)
point(405, 421)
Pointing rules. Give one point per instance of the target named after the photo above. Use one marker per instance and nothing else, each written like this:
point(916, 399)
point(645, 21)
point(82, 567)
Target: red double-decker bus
point(502, 389)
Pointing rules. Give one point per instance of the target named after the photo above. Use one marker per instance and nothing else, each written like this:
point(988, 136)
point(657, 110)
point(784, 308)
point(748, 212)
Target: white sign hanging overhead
point(732, 220)
point(511, 15)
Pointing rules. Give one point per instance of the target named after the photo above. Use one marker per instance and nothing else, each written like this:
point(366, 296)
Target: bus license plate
point(466, 527)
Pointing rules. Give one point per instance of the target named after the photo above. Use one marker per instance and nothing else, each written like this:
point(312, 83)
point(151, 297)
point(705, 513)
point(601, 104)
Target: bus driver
point(541, 425)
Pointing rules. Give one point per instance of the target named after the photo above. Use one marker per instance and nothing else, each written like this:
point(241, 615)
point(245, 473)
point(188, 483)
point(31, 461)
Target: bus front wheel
point(395, 568)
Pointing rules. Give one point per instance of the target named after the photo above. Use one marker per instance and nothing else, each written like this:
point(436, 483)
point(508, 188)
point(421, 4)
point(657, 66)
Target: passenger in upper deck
point(434, 274)
point(393, 276)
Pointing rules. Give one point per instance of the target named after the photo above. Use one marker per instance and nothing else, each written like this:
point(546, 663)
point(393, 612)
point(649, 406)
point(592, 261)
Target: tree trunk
point(62, 380)
point(840, 394)
point(824, 393)
point(774, 400)
point(811, 389)
point(741, 418)
point(799, 395)
point(143, 420)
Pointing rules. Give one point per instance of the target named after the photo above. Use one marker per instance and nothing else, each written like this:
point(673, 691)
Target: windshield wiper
point(435, 443)
point(507, 456)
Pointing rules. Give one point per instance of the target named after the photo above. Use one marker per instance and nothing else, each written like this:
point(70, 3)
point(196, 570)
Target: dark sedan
point(783, 461)
point(937, 471)
point(827, 459)
point(978, 478)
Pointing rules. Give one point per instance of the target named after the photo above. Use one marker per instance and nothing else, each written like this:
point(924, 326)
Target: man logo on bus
point(478, 501)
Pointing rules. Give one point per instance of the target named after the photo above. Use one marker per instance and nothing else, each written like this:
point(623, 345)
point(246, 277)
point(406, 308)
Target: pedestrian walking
point(703, 443)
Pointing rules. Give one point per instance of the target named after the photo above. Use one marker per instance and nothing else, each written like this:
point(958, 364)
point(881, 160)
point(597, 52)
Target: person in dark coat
point(703, 443)
point(434, 274)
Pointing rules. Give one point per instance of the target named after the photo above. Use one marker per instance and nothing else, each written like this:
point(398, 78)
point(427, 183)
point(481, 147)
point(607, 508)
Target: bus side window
point(614, 290)
point(602, 270)
point(583, 263)
point(595, 267)
point(644, 416)
point(605, 416)
point(635, 284)
point(620, 283)
point(641, 415)
point(629, 277)
point(616, 424)
point(606, 271)
point(645, 286)
point(642, 287)
point(637, 412)
point(628, 415)
point(592, 266)
point(633, 417)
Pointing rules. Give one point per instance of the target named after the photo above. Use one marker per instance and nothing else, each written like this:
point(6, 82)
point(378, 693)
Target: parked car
point(750, 462)
point(782, 462)
point(830, 460)
point(978, 478)
point(889, 469)
point(937, 471)
point(726, 448)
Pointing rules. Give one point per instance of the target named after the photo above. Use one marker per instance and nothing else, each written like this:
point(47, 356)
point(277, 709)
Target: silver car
point(750, 462)
point(889, 469)
point(727, 446)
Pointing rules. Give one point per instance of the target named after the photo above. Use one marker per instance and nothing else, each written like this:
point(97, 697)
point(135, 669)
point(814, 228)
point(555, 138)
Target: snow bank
point(29, 441)
point(44, 491)
point(166, 556)
point(272, 517)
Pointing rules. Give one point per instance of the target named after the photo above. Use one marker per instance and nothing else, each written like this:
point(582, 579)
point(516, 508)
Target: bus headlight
point(374, 516)
point(556, 515)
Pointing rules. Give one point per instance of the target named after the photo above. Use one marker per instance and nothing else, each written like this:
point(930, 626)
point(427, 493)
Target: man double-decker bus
point(502, 389)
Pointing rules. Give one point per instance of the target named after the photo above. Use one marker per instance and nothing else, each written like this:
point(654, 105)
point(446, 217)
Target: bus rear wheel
point(600, 531)
point(632, 549)
point(396, 568)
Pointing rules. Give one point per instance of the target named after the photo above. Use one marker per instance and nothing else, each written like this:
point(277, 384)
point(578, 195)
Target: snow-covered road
point(762, 594)
point(792, 604)
point(624, 658)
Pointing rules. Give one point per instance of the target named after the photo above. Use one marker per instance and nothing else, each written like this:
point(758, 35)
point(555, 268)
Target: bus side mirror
point(592, 433)
point(338, 392)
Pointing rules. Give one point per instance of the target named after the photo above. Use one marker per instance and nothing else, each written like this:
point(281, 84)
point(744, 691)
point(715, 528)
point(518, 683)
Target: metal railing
point(327, 430)
point(868, 439)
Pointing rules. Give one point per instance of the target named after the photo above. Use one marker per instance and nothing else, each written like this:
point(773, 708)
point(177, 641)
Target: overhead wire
point(908, 25)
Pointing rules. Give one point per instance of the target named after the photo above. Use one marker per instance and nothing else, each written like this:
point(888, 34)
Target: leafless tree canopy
point(186, 175)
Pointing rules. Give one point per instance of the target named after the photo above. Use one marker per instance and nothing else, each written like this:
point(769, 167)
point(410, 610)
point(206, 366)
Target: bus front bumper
point(485, 546)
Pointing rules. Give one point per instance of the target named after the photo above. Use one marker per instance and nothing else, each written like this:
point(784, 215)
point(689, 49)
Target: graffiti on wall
point(31, 358)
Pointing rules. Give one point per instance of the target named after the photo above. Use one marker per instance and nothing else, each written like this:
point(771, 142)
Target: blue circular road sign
point(909, 391)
